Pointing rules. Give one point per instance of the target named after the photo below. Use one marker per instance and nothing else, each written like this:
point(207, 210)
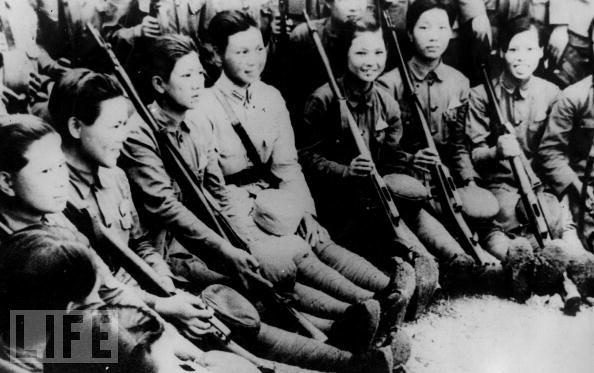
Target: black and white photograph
point(286, 186)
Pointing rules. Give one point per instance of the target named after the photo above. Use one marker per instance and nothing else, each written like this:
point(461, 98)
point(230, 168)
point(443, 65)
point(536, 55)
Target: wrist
point(137, 31)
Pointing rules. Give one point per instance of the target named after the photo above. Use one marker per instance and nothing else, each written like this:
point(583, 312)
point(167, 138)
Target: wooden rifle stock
point(383, 193)
point(447, 194)
point(521, 170)
point(204, 205)
point(524, 175)
point(149, 279)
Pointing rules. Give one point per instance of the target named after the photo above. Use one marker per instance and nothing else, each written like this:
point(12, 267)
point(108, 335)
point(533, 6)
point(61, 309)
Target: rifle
point(204, 206)
point(447, 194)
point(584, 193)
point(383, 193)
point(71, 27)
point(147, 277)
point(525, 177)
point(283, 10)
point(522, 171)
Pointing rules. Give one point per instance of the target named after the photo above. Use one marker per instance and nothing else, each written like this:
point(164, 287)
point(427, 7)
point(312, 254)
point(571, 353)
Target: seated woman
point(177, 77)
point(254, 141)
point(45, 267)
point(525, 101)
point(443, 96)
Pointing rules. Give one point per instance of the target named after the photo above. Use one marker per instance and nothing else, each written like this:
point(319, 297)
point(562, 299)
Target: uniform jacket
point(329, 148)
point(526, 107)
point(263, 114)
point(161, 202)
point(106, 195)
point(568, 135)
point(444, 94)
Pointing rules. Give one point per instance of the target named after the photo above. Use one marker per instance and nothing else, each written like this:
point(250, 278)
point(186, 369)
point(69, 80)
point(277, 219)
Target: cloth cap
point(278, 212)
point(406, 187)
point(232, 309)
point(478, 203)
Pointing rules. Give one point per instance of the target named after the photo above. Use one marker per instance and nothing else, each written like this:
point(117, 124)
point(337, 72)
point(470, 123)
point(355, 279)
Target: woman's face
point(347, 10)
point(102, 141)
point(186, 81)
point(367, 55)
point(523, 54)
point(431, 34)
point(41, 186)
point(245, 56)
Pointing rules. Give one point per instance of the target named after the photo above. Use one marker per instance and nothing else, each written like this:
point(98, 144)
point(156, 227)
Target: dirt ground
point(486, 334)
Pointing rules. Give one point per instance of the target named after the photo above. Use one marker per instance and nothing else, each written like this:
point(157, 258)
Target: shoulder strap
point(249, 146)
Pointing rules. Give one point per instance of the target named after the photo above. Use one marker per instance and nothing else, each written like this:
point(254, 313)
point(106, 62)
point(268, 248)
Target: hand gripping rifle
point(528, 182)
point(447, 194)
point(147, 277)
point(522, 172)
point(382, 191)
point(204, 206)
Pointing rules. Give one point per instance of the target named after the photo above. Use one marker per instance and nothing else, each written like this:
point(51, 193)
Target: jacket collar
point(166, 121)
point(512, 87)
point(83, 181)
point(238, 94)
point(420, 73)
point(356, 97)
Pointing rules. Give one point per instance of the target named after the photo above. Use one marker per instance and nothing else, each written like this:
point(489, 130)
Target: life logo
point(76, 336)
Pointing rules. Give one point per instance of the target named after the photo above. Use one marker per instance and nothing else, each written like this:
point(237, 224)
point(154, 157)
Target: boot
point(394, 299)
point(427, 283)
point(357, 328)
point(373, 361)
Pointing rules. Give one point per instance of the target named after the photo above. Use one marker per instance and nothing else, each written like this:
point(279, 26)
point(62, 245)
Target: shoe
point(357, 328)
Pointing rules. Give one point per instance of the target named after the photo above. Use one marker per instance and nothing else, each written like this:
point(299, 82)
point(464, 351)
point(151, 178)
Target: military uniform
point(526, 107)
point(162, 204)
point(106, 196)
point(326, 158)
point(111, 290)
point(576, 61)
point(264, 116)
point(443, 94)
point(566, 143)
point(22, 55)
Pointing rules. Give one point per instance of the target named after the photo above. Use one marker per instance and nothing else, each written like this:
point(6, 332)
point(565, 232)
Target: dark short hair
point(79, 93)
point(227, 23)
point(418, 7)
point(366, 23)
point(44, 267)
point(516, 26)
point(164, 53)
point(17, 133)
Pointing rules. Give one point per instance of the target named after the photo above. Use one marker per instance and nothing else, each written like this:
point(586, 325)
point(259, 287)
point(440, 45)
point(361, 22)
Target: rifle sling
point(252, 153)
